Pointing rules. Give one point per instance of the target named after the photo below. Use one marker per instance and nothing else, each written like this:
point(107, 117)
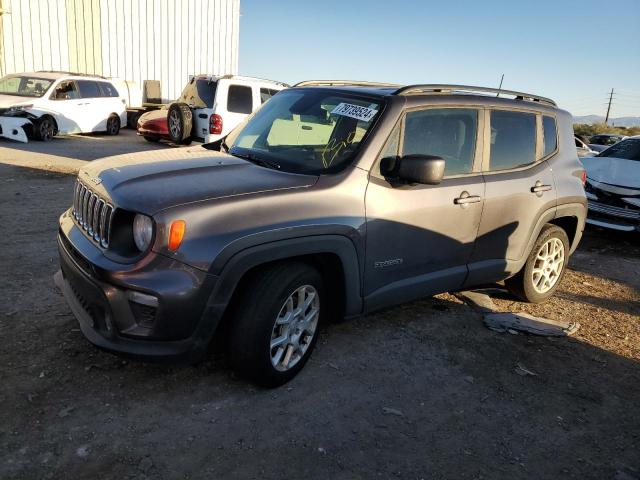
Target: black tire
point(113, 125)
point(151, 139)
point(132, 120)
point(522, 284)
point(180, 123)
point(44, 129)
point(262, 300)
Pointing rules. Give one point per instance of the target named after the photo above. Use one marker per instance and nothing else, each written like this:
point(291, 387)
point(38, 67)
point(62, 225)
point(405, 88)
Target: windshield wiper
point(257, 160)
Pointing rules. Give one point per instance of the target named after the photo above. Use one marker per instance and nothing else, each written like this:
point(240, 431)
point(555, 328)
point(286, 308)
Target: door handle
point(465, 199)
point(539, 187)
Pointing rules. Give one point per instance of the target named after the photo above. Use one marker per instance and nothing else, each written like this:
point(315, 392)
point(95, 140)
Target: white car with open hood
point(613, 186)
point(41, 105)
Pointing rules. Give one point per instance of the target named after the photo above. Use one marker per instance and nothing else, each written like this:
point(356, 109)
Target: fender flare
point(244, 260)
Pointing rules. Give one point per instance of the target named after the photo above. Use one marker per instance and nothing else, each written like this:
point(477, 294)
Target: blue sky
point(571, 51)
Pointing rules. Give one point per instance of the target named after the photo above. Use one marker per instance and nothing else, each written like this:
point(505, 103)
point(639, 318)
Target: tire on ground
point(259, 305)
point(521, 285)
point(113, 124)
point(44, 128)
point(180, 123)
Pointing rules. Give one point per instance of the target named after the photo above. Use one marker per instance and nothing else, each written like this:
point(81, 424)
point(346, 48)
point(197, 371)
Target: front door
point(420, 237)
point(67, 107)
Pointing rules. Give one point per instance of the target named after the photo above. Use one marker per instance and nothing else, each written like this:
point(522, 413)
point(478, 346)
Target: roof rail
point(242, 77)
point(355, 83)
point(452, 89)
point(75, 74)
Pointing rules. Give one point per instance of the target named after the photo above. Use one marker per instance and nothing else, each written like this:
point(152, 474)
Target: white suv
point(210, 107)
point(43, 104)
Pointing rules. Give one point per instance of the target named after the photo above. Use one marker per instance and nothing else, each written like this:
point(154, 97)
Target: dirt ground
point(423, 390)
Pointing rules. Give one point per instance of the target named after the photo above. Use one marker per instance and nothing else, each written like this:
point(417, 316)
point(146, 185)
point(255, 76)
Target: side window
point(550, 134)
point(239, 99)
point(108, 90)
point(89, 89)
point(265, 94)
point(513, 139)
point(449, 133)
point(65, 91)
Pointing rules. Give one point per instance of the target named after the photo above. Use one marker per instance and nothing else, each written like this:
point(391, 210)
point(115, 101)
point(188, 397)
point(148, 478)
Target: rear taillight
point(215, 124)
point(583, 177)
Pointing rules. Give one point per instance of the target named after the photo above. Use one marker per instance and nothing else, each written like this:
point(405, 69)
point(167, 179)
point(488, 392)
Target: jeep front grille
point(93, 214)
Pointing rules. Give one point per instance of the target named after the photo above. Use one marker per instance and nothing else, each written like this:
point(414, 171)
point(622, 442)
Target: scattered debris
point(524, 371)
point(83, 451)
point(509, 322)
point(322, 450)
point(65, 412)
point(392, 411)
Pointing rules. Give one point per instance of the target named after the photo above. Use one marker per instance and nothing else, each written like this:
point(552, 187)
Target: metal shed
point(135, 40)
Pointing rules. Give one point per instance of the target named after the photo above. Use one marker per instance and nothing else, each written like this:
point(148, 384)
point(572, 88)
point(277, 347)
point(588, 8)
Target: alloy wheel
point(174, 124)
point(548, 265)
point(294, 328)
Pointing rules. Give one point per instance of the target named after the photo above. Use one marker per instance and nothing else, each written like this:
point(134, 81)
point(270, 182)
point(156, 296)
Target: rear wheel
point(113, 125)
point(543, 271)
point(277, 324)
point(44, 129)
point(180, 122)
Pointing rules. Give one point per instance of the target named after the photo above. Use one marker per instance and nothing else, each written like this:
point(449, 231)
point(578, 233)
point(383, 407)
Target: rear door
point(519, 190)
point(95, 108)
point(420, 237)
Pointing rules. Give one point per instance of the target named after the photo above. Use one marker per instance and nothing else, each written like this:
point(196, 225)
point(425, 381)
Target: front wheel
point(277, 324)
point(44, 129)
point(543, 271)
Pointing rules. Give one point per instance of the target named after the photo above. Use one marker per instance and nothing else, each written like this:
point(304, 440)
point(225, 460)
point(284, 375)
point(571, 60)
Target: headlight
point(142, 231)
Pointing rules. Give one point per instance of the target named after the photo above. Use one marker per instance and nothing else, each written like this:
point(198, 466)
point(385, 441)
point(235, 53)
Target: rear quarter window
point(108, 90)
point(513, 139)
point(239, 99)
point(550, 133)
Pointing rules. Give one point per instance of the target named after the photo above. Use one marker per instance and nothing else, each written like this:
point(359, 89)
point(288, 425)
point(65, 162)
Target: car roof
point(55, 75)
point(242, 78)
point(391, 89)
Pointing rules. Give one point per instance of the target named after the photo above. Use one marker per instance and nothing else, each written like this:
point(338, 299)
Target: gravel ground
point(423, 390)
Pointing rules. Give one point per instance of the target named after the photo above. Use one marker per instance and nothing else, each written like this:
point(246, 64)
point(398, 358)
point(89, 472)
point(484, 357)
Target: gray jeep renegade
point(333, 200)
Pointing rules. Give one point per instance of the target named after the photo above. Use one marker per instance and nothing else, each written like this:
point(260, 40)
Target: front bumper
point(13, 128)
point(156, 310)
point(613, 217)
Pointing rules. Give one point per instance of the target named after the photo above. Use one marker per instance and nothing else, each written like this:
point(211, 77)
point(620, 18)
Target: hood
point(7, 101)
point(613, 171)
point(148, 182)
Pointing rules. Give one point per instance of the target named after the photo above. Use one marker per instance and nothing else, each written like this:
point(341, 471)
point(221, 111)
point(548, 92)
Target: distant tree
point(586, 130)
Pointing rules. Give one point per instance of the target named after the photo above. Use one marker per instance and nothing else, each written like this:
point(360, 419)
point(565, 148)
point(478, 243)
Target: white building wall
point(166, 40)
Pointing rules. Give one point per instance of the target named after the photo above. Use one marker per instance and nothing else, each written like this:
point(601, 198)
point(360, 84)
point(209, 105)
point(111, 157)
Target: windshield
point(24, 86)
point(307, 131)
point(628, 149)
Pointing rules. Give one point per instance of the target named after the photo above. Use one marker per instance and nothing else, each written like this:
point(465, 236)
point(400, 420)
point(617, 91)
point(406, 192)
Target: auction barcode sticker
point(355, 111)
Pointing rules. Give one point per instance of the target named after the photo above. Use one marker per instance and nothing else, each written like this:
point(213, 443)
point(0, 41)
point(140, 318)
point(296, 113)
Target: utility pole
point(606, 119)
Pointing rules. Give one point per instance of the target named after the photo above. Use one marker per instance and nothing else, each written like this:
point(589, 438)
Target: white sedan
point(613, 186)
point(43, 104)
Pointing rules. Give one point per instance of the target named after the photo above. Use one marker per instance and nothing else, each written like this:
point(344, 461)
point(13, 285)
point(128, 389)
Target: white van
point(210, 107)
point(43, 104)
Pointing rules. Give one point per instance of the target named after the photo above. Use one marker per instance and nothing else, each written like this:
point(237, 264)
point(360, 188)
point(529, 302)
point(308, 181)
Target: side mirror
point(425, 169)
